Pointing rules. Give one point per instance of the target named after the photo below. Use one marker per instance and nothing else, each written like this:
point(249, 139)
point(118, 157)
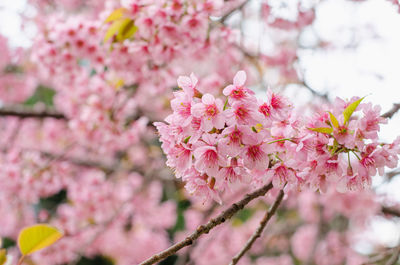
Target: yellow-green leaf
point(122, 28)
point(37, 237)
point(334, 121)
point(3, 256)
point(115, 15)
point(322, 130)
point(113, 29)
point(127, 30)
point(350, 109)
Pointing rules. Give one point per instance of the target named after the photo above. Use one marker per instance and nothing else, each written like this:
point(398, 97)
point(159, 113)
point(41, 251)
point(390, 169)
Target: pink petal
point(239, 79)
point(228, 90)
point(198, 110)
point(184, 82)
point(208, 99)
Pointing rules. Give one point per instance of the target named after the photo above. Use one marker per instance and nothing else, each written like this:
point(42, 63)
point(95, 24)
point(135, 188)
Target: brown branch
point(204, 229)
point(28, 112)
point(392, 111)
point(260, 229)
point(391, 211)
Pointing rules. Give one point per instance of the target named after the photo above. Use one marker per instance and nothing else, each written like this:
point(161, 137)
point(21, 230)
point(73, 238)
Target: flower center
point(211, 110)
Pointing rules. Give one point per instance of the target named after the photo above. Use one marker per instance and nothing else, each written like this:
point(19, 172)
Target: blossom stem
point(260, 229)
point(356, 155)
point(204, 229)
point(281, 140)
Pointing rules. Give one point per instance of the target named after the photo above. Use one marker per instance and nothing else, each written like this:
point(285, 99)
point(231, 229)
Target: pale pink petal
point(228, 90)
point(198, 110)
point(184, 82)
point(239, 79)
point(208, 99)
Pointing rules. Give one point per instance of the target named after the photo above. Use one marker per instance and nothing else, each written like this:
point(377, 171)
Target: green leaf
point(326, 130)
point(186, 140)
point(42, 94)
point(3, 256)
point(7, 243)
point(350, 109)
point(37, 237)
point(226, 104)
point(51, 203)
point(334, 121)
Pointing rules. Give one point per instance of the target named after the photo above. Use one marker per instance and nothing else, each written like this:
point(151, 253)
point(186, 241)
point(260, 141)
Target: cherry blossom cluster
point(102, 156)
point(212, 142)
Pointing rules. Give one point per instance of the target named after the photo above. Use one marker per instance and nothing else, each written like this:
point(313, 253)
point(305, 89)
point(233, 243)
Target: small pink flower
point(244, 112)
point(207, 157)
point(188, 84)
point(237, 91)
point(231, 143)
point(210, 110)
point(182, 105)
point(255, 154)
point(280, 174)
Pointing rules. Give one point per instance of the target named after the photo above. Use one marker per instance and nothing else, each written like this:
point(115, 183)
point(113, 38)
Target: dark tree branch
point(28, 112)
point(392, 111)
point(204, 229)
point(391, 211)
point(260, 228)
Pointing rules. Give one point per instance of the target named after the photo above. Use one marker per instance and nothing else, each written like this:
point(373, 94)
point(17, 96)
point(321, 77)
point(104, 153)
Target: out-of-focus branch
point(204, 229)
point(81, 162)
point(315, 92)
point(260, 228)
point(391, 211)
point(107, 168)
point(233, 10)
point(395, 256)
point(28, 112)
point(392, 111)
point(392, 173)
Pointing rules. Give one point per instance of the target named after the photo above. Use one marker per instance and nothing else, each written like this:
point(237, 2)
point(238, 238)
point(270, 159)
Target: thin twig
point(204, 229)
point(392, 111)
point(29, 112)
point(260, 229)
point(324, 96)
